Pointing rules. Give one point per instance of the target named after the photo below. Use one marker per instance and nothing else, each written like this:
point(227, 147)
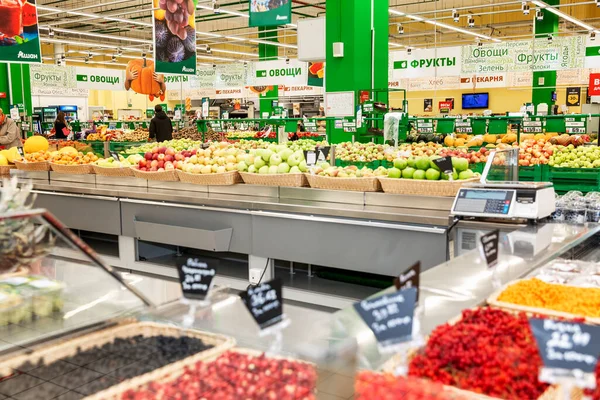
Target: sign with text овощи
point(266, 73)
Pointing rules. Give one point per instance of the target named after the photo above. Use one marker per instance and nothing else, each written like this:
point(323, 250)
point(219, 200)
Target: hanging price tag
point(322, 153)
point(21, 152)
point(444, 164)
point(265, 303)
point(489, 247)
point(114, 155)
point(409, 279)
point(389, 316)
point(569, 351)
point(195, 277)
point(310, 157)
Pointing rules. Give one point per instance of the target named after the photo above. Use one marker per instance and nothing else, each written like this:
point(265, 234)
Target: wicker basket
point(5, 169)
point(423, 187)
point(33, 166)
point(553, 392)
point(165, 176)
point(530, 311)
point(286, 180)
point(69, 348)
point(82, 169)
point(366, 184)
point(115, 172)
point(167, 374)
point(223, 179)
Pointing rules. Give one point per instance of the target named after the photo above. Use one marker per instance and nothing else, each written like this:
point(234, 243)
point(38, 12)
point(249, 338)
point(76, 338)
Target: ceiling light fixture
point(87, 60)
point(471, 21)
point(409, 51)
point(400, 29)
point(114, 59)
point(539, 14)
point(525, 8)
point(51, 32)
point(592, 36)
point(564, 16)
point(550, 38)
point(455, 15)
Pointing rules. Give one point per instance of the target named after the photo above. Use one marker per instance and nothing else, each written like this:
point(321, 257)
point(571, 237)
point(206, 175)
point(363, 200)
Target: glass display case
point(56, 311)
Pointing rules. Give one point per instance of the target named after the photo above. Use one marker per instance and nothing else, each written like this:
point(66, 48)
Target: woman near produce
point(60, 126)
point(9, 132)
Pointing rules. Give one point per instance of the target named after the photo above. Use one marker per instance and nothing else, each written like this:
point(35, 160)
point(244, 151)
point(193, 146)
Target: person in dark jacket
point(161, 128)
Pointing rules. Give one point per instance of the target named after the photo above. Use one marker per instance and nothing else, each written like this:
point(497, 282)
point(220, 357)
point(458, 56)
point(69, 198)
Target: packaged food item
point(565, 266)
point(46, 295)
point(549, 276)
point(575, 212)
point(586, 281)
point(14, 308)
point(593, 211)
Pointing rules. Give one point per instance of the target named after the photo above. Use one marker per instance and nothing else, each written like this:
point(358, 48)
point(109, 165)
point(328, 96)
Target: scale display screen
point(481, 201)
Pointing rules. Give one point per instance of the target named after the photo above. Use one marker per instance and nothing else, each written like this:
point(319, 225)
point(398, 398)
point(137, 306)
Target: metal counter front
point(376, 233)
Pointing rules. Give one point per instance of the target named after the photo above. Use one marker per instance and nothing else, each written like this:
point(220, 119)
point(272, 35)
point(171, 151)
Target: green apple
point(400, 163)
point(263, 170)
point(273, 169)
point(408, 172)
point(394, 173)
point(419, 174)
point(285, 154)
point(302, 166)
point(324, 165)
point(432, 174)
point(242, 166)
point(461, 164)
point(468, 174)
point(259, 163)
point(252, 169)
point(283, 168)
point(249, 159)
point(432, 164)
point(295, 159)
point(295, 170)
point(411, 162)
point(266, 155)
point(422, 163)
point(275, 160)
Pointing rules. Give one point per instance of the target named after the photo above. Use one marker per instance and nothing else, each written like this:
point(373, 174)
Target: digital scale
point(505, 200)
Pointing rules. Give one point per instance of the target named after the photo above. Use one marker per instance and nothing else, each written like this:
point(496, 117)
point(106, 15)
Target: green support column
point(542, 93)
point(19, 89)
point(4, 103)
point(267, 53)
point(349, 22)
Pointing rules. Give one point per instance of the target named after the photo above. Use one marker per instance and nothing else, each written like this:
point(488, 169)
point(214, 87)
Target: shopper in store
point(9, 132)
point(161, 127)
point(61, 129)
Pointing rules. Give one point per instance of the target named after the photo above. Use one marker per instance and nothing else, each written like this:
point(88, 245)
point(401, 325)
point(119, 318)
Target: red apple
point(148, 156)
point(170, 151)
point(160, 164)
point(143, 163)
point(155, 150)
point(153, 169)
point(162, 150)
point(169, 157)
point(155, 156)
point(154, 164)
point(161, 157)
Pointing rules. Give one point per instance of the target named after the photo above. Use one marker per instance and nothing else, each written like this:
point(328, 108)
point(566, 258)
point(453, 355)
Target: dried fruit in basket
point(38, 156)
point(236, 376)
point(570, 299)
point(488, 351)
point(21, 241)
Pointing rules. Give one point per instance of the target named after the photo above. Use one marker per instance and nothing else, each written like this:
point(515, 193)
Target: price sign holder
point(463, 126)
point(569, 352)
point(390, 317)
point(489, 248)
point(424, 126)
point(114, 155)
point(112, 126)
point(575, 125)
point(322, 153)
point(196, 277)
point(445, 165)
point(265, 304)
point(311, 158)
point(21, 152)
point(409, 279)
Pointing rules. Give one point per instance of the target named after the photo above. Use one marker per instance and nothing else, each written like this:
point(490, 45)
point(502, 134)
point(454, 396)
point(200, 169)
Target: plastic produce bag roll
point(391, 124)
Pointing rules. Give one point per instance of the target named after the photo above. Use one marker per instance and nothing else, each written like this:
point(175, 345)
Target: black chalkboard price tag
point(389, 316)
point(409, 279)
point(489, 247)
point(265, 303)
point(323, 152)
point(114, 155)
point(444, 164)
point(569, 350)
point(195, 277)
point(310, 157)
point(21, 152)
